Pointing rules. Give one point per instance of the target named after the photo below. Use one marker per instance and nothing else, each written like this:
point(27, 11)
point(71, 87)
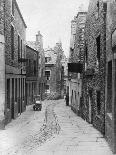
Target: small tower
point(39, 38)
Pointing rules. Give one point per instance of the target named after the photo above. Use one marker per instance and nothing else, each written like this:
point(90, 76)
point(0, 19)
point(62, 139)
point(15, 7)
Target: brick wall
point(15, 70)
point(95, 26)
point(19, 29)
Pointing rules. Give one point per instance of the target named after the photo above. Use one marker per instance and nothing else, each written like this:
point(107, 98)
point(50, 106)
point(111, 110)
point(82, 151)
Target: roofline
point(20, 13)
point(82, 12)
point(32, 48)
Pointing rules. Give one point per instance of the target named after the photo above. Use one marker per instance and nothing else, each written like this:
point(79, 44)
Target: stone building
point(110, 121)
point(13, 73)
point(54, 72)
point(64, 62)
point(72, 39)
point(32, 76)
point(93, 103)
point(38, 45)
point(76, 61)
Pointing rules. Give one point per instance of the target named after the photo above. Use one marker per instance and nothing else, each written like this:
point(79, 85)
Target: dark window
point(34, 67)
point(47, 75)
point(13, 7)
point(98, 102)
point(18, 46)
point(21, 49)
point(86, 57)
point(46, 60)
point(98, 50)
point(72, 97)
point(12, 41)
point(109, 88)
point(8, 93)
point(98, 7)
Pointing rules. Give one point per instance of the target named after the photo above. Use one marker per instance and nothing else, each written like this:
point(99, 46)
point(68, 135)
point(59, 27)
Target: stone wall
point(15, 70)
point(93, 109)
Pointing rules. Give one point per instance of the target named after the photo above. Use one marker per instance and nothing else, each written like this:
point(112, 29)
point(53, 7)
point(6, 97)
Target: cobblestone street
point(56, 130)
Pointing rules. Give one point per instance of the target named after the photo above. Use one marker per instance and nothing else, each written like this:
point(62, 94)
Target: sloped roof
point(34, 45)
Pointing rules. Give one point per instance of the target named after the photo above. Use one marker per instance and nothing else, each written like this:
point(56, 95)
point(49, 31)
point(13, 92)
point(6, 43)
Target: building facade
point(93, 103)
point(76, 61)
point(110, 119)
point(12, 30)
point(54, 72)
point(38, 45)
point(32, 57)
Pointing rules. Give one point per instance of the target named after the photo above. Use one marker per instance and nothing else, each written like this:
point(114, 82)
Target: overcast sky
point(52, 18)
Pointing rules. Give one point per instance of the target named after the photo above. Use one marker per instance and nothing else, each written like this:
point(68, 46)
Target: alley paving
point(55, 130)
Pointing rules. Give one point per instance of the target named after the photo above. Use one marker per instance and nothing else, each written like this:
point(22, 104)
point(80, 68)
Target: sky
point(52, 18)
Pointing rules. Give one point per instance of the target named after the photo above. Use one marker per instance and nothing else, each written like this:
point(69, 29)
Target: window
point(18, 47)
point(8, 93)
point(109, 88)
point(47, 75)
point(97, 9)
point(72, 97)
point(86, 57)
point(21, 48)
point(13, 7)
point(98, 51)
point(47, 59)
point(34, 63)
point(98, 102)
point(47, 87)
point(98, 6)
point(12, 42)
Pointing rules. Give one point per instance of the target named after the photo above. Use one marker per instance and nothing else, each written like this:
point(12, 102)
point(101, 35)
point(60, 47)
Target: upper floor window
point(13, 7)
point(97, 11)
point(47, 59)
point(34, 63)
point(21, 48)
point(47, 75)
point(98, 51)
point(98, 102)
point(8, 93)
point(12, 42)
point(47, 88)
point(86, 57)
point(18, 47)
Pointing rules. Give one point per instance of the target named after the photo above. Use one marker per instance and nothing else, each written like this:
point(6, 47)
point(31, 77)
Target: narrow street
point(56, 130)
